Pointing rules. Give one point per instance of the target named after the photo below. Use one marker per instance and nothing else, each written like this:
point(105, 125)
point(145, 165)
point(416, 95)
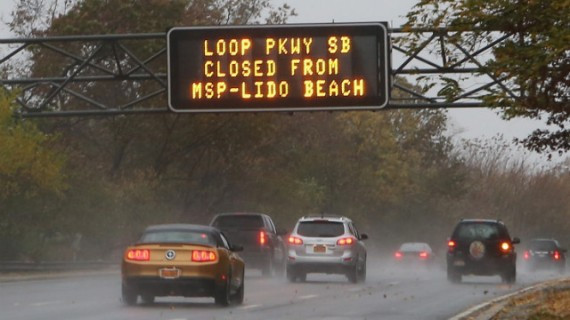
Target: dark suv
point(263, 245)
point(481, 247)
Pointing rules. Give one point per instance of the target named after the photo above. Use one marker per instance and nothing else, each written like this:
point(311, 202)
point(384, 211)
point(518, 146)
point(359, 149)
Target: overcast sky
point(472, 123)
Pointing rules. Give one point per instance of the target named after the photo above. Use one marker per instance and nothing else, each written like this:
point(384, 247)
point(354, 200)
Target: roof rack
point(324, 215)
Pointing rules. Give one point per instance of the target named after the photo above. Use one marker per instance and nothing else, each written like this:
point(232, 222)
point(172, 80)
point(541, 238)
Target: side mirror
point(363, 236)
point(516, 240)
point(236, 248)
point(281, 232)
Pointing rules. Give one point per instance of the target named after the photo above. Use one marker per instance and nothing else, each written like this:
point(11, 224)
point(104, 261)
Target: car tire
point(302, 276)
point(223, 297)
point(280, 268)
point(267, 269)
point(353, 274)
point(128, 295)
point(453, 275)
point(561, 269)
point(291, 274)
point(238, 297)
point(510, 276)
point(362, 273)
point(147, 298)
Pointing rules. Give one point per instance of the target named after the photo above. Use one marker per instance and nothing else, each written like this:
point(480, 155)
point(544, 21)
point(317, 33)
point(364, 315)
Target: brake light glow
point(138, 254)
point(345, 241)
point(505, 246)
point(526, 255)
point(451, 244)
point(203, 256)
point(262, 239)
point(295, 240)
point(556, 255)
point(423, 255)
point(398, 255)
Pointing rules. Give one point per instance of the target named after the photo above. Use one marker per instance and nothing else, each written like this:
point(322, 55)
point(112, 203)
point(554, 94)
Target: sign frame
point(383, 67)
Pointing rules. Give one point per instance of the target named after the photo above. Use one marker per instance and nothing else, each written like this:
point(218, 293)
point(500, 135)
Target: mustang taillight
point(556, 255)
point(203, 256)
point(526, 255)
point(345, 241)
point(295, 241)
point(262, 238)
point(138, 254)
point(398, 255)
point(423, 255)
point(505, 246)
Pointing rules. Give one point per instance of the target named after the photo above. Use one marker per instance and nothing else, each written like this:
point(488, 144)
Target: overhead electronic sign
point(306, 67)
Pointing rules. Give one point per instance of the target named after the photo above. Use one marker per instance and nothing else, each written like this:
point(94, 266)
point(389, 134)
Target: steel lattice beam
point(77, 75)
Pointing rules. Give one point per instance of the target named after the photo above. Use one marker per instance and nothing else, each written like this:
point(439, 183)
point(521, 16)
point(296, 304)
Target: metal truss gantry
point(79, 75)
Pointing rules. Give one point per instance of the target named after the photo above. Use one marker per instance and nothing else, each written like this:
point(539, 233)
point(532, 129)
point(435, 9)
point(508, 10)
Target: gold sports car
point(182, 260)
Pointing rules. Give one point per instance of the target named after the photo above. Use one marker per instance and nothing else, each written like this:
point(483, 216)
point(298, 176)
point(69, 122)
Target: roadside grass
point(551, 303)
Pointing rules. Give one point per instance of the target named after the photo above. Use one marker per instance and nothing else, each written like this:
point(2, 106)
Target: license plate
point(169, 273)
point(319, 249)
point(459, 263)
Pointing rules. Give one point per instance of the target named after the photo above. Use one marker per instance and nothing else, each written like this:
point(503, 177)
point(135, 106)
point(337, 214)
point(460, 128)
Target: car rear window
point(486, 231)
point(542, 245)
point(415, 247)
point(238, 222)
point(321, 229)
point(178, 236)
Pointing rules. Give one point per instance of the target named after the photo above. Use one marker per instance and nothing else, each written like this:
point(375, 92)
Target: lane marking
point(355, 289)
point(309, 296)
point(45, 303)
point(395, 283)
point(250, 306)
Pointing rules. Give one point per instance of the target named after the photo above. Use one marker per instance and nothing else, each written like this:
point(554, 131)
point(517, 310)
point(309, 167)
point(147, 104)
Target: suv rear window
point(479, 230)
point(178, 236)
point(238, 222)
point(321, 229)
point(542, 245)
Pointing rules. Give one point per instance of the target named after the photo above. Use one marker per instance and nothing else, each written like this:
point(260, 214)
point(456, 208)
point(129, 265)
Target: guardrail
point(19, 266)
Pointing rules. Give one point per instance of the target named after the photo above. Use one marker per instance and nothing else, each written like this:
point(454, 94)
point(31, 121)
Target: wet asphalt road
point(387, 294)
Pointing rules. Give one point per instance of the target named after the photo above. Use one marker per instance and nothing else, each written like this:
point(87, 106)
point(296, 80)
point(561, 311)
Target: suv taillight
point(203, 256)
point(138, 254)
point(506, 247)
point(556, 255)
point(451, 244)
point(345, 241)
point(262, 238)
point(398, 255)
point(424, 255)
point(295, 241)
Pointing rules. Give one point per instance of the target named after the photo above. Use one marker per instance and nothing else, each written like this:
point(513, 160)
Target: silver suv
point(326, 244)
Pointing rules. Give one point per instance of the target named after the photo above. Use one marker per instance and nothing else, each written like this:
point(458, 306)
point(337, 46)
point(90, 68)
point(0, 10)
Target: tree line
point(397, 173)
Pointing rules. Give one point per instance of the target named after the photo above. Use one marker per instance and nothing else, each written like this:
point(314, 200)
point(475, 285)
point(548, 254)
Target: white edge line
point(309, 296)
point(501, 298)
point(45, 303)
point(249, 306)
